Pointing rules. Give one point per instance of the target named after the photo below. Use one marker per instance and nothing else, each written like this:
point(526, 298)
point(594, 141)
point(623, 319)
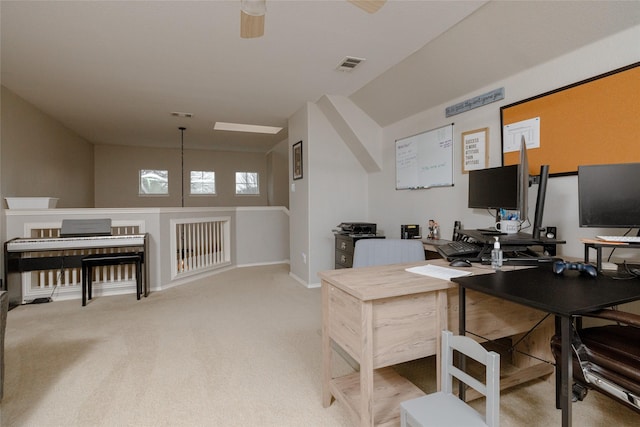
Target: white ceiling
point(113, 71)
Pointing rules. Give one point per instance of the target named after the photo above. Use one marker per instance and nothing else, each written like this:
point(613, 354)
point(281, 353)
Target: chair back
point(470, 348)
point(369, 252)
point(4, 309)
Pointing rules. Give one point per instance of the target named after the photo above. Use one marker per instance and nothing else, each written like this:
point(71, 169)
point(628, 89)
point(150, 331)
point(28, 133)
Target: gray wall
point(41, 157)
point(117, 168)
point(278, 173)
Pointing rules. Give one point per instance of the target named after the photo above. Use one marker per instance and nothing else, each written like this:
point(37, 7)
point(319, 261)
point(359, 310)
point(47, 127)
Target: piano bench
point(99, 260)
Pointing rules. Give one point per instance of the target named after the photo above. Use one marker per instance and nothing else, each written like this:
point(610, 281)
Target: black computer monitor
point(609, 196)
point(523, 182)
point(494, 188)
point(540, 199)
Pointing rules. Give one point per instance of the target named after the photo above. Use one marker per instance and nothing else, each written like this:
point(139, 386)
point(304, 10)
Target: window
point(203, 182)
point(247, 183)
point(154, 181)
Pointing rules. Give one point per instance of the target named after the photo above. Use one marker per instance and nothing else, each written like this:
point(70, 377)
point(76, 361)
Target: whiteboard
point(425, 160)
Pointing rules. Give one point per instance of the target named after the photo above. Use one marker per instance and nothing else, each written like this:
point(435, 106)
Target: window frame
point(191, 193)
point(142, 193)
point(257, 186)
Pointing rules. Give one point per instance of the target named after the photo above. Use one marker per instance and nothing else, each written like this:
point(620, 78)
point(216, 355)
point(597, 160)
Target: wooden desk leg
point(326, 347)
point(441, 325)
point(366, 365)
point(462, 320)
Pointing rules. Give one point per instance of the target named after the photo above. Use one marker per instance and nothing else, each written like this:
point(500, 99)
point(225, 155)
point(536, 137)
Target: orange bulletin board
point(595, 121)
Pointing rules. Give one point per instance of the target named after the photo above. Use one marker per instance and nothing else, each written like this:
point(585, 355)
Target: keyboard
point(622, 239)
point(458, 248)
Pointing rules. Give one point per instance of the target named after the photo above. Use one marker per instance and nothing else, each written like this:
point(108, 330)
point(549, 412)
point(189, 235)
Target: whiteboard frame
point(450, 167)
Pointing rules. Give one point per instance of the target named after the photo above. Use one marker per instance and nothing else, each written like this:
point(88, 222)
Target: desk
point(384, 315)
point(430, 247)
point(564, 296)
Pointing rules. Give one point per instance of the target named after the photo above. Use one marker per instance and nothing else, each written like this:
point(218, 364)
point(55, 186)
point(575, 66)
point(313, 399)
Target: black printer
point(359, 228)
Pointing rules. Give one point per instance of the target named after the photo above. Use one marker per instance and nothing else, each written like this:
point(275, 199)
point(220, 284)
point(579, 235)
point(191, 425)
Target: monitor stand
point(491, 232)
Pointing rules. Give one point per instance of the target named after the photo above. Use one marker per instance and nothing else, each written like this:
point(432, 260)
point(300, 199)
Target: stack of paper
point(438, 272)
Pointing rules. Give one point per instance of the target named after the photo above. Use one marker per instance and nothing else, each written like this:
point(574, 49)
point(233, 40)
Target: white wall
point(299, 198)
point(390, 208)
point(338, 189)
point(333, 189)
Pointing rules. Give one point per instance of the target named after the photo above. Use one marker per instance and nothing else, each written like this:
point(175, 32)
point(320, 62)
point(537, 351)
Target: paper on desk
point(438, 272)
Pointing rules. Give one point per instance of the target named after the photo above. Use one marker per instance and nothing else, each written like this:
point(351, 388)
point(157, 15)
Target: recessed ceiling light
point(239, 127)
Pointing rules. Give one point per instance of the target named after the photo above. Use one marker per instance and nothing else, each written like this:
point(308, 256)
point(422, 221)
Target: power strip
point(609, 266)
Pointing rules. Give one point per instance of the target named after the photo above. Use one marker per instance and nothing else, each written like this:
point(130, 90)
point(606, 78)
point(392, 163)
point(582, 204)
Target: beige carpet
point(239, 348)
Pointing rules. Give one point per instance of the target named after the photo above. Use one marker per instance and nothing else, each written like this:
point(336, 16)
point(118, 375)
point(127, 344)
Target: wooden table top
point(386, 281)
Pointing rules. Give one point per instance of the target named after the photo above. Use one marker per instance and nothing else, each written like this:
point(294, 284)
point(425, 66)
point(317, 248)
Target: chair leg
point(84, 285)
point(138, 279)
point(90, 281)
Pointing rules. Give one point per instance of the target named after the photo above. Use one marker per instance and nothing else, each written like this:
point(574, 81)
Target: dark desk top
point(435, 242)
point(509, 239)
point(570, 294)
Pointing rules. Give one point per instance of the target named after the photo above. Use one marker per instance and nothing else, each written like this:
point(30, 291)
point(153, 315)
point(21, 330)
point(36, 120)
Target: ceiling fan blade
point(251, 26)
point(371, 6)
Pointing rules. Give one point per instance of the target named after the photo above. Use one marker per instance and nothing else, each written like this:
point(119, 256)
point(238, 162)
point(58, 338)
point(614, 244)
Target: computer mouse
point(460, 263)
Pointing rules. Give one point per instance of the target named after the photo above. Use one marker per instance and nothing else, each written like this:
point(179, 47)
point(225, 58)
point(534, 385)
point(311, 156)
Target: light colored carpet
point(239, 348)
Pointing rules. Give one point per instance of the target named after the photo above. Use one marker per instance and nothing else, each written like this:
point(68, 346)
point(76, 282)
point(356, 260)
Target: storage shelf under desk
point(598, 245)
point(390, 389)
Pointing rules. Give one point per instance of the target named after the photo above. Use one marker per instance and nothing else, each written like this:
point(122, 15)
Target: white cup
point(508, 226)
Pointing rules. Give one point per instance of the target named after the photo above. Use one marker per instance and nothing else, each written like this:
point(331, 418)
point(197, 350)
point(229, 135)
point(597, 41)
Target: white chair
point(443, 409)
point(387, 251)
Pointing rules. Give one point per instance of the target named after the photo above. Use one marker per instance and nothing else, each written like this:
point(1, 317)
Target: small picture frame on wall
point(297, 160)
point(475, 149)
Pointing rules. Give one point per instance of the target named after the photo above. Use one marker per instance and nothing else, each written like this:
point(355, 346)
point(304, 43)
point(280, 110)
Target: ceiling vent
point(178, 114)
point(349, 63)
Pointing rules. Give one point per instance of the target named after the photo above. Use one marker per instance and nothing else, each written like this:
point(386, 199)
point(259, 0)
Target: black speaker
point(410, 231)
point(456, 231)
point(550, 233)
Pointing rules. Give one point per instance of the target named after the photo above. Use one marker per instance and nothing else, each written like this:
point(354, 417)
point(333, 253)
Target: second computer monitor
point(494, 188)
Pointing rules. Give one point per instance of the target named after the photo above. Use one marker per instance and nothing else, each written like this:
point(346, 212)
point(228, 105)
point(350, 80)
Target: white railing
point(200, 244)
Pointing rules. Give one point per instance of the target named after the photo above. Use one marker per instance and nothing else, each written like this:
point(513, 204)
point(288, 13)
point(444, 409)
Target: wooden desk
point(430, 247)
point(384, 315)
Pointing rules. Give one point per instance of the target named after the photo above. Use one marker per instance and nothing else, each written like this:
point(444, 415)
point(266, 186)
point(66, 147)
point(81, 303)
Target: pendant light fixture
point(182, 129)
